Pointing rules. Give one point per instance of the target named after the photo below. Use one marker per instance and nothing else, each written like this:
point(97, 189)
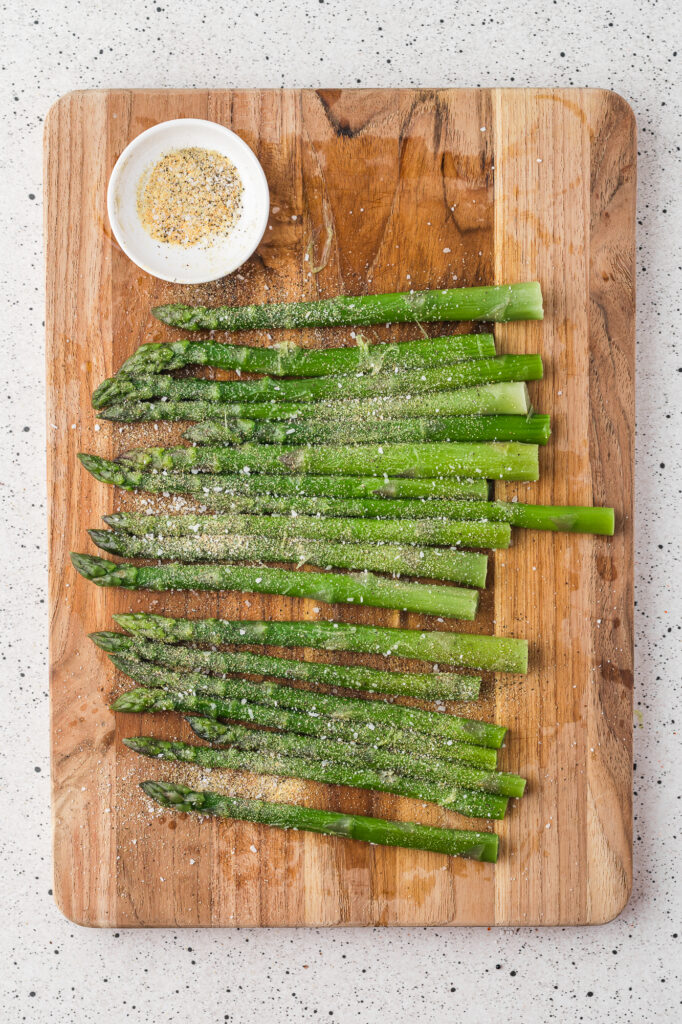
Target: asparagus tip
point(108, 390)
point(130, 620)
point(153, 357)
point(107, 540)
point(489, 849)
point(172, 794)
point(106, 471)
point(109, 641)
point(91, 462)
point(113, 520)
point(177, 315)
point(90, 566)
point(134, 701)
point(135, 743)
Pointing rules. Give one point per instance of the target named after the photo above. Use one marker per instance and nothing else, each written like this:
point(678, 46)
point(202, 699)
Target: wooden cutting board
point(415, 188)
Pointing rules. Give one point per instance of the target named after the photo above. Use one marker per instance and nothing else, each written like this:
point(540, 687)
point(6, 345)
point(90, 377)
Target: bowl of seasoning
point(188, 201)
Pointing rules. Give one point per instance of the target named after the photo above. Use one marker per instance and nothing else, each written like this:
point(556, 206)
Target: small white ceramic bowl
point(197, 264)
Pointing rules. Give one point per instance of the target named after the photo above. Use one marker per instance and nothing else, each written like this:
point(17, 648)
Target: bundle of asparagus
point(150, 700)
point(311, 389)
point(446, 759)
point(424, 685)
point(377, 458)
point(454, 501)
point(441, 758)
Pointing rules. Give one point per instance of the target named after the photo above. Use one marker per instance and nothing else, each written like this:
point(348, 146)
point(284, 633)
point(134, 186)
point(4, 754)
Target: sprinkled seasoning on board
point(190, 197)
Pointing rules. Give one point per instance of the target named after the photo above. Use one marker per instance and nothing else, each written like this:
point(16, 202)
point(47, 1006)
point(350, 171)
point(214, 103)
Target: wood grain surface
point(421, 188)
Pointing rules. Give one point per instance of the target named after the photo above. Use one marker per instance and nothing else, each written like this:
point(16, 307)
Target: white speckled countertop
point(627, 971)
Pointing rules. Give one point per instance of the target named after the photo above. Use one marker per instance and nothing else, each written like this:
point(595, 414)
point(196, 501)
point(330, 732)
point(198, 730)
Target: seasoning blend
point(188, 201)
point(190, 197)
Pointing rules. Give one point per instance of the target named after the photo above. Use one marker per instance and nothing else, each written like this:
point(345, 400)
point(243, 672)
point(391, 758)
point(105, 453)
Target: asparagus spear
point(467, 567)
point(487, 653)
point(316, 389)
point(509, 461)
point(143, 700)
point(532, 429)
point(359, 588)
point(424, 685)
point(217, 733)
point(455, 515)
point(223, 485)
point(506, 398)
point(319, 705)
point(569, 518)
point(480, 846)
point(465, 801)
point(403, 531)
point(294, 361)
point(492, 303)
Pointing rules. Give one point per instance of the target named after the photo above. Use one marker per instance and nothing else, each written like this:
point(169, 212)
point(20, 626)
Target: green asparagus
point(217, 733)
point(293, 361)
point(532, 429)
point(299, 487)
point(466, 567)
point(507, 398)
point(358, 588)
point(317, 389)
point(143, 700)
point(467, 650)
point(502, 461)
point(499, 303)
point(480, 846)
point(403, 531)
point(424, 685)
point(455, 798)
point(318, 705)
point(467, 514)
